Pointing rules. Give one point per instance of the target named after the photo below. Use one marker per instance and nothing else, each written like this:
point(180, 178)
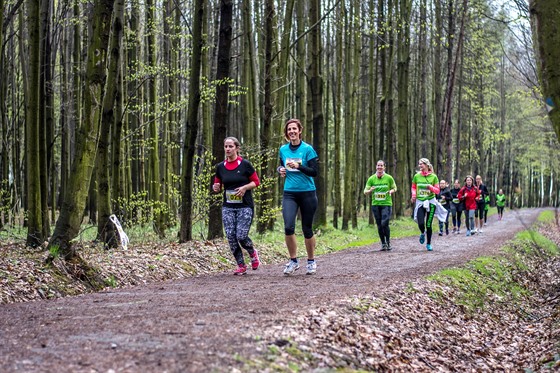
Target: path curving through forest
point(198, 324)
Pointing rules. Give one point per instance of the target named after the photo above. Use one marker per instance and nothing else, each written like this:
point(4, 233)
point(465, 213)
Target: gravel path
point(199, 324)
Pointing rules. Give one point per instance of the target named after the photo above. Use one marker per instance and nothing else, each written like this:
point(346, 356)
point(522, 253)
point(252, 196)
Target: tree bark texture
point(185, 231)
point(70, 219)
point(221, 109)
point(545, 22)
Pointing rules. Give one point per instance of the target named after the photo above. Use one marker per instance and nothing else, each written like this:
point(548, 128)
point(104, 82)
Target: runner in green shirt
point(500, 203)
point(425, 187)
point(486, 208)
point(381, 186)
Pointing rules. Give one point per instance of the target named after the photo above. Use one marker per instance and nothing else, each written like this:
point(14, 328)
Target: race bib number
point(380, 196)
point(232, 198)
point(424, 192)
point(455, 200)
point(297, 160)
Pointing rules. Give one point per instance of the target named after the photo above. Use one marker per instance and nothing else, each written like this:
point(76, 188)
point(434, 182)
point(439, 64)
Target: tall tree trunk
point(349, 210)
point(423, 46)
point(544, 22)
point(207, 71)
point(266, 129)
point(65, 117)
point(502, 124)
point(382, 71)
point(68, 223)
point(185, 231)
point(4, 166)
point(315, 84)
point(106, 231)
point(120, 169)
point(154, 186)
point(390, 129)
point(356, 112)
point(46, 114)
point(337, 111)
point(403, 176)
point(372, 108)
point(135, 92)
point(250, 109)
point(446, 125)
point(300, 88)
point(221, 109)
point(35, 235)
point(437, 38)
point(459, 129)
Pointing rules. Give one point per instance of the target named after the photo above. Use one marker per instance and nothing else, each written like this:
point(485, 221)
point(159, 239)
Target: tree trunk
point(221, 109)
point(185, 231)
point(315, 84)
point(382, 71)
point(544, 22)
point(403, 176)
point(106, 231)
point(250, 109)
point(46, 114)
point(35, 235)
point(337, 111)
point(65, 117)
point(4, 165)
point(154, 180)
point(135, 92)
point(266, 130)
point(423, 46)
point(437, 38)
point(69, 221)
point(349, 209)
point(373, 82)
point(119, 167)
point(300, 88)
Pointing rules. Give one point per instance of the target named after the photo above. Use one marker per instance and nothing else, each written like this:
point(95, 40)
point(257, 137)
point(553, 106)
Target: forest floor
point(355, 312)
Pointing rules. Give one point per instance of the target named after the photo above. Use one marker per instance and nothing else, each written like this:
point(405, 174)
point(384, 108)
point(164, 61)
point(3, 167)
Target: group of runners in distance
point(431, 198)
point(235, 178)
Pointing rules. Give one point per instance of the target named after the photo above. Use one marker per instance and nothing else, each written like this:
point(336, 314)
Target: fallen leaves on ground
point(25, 276)
point(423, 328)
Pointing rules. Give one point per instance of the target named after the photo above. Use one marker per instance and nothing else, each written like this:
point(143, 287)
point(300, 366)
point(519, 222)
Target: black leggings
point(382, 215)
point(307, 204)
point(237, 223)
point(456, 213)
point(425, 218)
point(501, 210)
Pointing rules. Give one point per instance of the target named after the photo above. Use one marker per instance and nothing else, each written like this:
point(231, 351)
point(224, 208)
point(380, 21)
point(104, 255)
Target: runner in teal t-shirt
point(298, 165)
point(381, 186)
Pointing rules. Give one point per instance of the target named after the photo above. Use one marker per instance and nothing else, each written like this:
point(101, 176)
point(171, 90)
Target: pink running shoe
point(255, 261)
point(241, 270)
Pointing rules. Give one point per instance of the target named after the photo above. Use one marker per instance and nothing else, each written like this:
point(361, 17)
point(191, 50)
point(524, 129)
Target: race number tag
point(455, 200)
point(380, 196)
point(424, 192)
point(232, 198)
point(288, 160)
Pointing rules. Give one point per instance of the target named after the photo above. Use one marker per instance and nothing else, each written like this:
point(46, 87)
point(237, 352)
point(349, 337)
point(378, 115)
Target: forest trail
point(200, 324)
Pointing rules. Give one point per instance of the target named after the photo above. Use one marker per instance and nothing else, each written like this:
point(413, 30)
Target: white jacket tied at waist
point(441, 212)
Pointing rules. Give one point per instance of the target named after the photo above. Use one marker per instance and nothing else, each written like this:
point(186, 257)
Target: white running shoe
point(291, 267)
point(311, 268)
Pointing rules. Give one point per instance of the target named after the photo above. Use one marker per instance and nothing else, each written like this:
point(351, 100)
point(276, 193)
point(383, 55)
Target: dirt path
point(199, 324)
